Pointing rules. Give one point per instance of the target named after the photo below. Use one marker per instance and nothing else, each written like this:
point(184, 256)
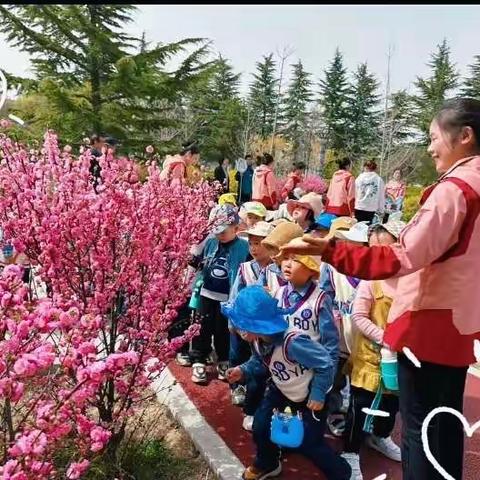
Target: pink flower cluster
point(314, 183)
point(114, 261)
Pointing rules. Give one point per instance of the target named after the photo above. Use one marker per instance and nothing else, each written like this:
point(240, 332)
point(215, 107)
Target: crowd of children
point(291, 331)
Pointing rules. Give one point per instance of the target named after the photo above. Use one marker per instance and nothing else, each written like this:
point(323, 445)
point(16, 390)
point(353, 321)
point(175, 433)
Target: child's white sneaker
point(222, 368)
point(199, 373)
point(238, 396)
point(248, 423)
point(353, 459)
point(386, 446)
point(183, 360)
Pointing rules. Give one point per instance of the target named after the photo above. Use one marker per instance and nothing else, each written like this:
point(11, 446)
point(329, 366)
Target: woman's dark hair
point(457, 113)
point(247, 156)
point(258, 160)
point(344, 163)
point(371, 165)
point(191, 147)
point(298, 166)
point(97, 137)
point(267, 159)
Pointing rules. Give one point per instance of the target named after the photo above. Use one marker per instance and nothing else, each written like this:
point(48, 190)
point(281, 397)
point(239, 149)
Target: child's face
point(381, 238)
point(228, 235)
point(300, 214)
point(259, 252)
point(295, 272)
point(252, 219)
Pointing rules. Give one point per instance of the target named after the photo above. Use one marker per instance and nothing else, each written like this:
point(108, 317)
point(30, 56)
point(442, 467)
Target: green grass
point(411, 202)
point(147, 460)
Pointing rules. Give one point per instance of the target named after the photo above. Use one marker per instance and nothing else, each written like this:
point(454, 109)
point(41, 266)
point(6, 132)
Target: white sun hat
point(358, 233)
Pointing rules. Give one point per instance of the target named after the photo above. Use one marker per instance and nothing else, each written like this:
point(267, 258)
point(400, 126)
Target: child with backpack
point(220, 260)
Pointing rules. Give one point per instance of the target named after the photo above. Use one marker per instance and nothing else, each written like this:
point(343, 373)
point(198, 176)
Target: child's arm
point(361, 313)
point(313, 355)
point(254, 367)
point(329, 336)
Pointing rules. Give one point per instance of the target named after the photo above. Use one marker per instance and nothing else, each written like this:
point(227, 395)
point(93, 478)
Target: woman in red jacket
point(436, 310)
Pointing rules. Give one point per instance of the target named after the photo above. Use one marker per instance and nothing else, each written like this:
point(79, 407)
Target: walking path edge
point(213, 449)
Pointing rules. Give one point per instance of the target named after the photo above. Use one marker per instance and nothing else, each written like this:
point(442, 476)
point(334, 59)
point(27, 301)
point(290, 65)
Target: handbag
point(287, 429)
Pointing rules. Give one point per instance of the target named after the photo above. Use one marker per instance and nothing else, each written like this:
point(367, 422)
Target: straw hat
point(282, 234)
point(312, 201)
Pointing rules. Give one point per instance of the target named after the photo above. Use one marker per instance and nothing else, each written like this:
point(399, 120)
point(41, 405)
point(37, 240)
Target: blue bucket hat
point(255, 311)
point(325, 220)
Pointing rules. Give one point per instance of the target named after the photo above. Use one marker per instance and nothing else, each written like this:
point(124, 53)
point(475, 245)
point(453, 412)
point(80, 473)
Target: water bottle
point(194, 303)
point(389, 369)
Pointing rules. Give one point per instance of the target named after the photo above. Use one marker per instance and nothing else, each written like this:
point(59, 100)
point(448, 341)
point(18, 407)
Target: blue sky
point(363, 33)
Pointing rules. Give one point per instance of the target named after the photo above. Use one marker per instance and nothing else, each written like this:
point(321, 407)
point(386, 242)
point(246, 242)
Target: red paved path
point(213, 401)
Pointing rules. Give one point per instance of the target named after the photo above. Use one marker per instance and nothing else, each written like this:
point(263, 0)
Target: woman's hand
point(315, 406)
point(234, 375)
point(307, 245)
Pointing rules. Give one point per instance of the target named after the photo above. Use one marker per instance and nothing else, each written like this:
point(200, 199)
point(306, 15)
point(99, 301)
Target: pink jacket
point(265, 187)
point(341, 194)
point(174, 169)
point(436, 308)
point(293, 180)
point(362, 306)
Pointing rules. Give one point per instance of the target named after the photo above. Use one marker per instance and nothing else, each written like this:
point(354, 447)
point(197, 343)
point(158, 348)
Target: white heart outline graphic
point(469, 430)
point(3, 98)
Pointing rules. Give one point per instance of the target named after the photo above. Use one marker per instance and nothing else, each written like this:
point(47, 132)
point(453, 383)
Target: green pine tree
point(217, 112)
point(471, 84)
point(298, 98)
point(333, 99)
point(432, 91)
point(363, 115)
point(263, 96)
point(94, 77)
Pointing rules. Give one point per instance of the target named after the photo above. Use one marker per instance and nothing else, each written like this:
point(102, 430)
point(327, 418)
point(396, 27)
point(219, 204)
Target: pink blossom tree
point(114, 260)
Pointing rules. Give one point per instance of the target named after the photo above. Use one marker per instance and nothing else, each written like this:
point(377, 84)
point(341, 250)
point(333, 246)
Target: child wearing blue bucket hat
point(300, 374)
point(373, 368)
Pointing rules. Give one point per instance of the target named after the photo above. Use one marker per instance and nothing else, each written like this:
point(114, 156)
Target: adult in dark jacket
point(221, 174)
point(245, 180)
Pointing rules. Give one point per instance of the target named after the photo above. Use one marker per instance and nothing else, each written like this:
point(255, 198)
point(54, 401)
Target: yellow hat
point(341, 223)
point(227, 198)
point(309, 262)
